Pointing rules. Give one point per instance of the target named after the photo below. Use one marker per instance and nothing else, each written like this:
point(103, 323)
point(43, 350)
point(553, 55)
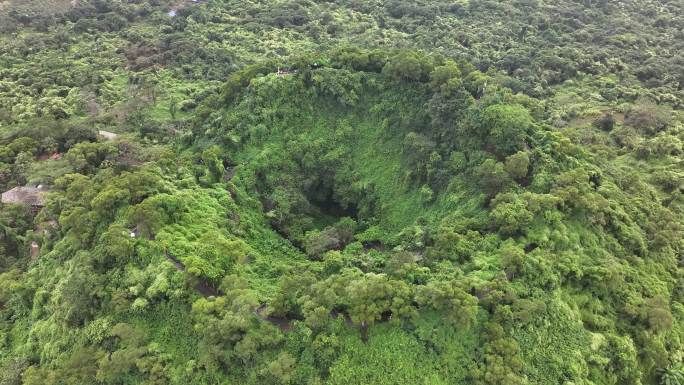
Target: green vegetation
point(326, 192)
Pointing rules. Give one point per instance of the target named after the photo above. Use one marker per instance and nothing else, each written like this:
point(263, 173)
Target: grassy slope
point(377, 151)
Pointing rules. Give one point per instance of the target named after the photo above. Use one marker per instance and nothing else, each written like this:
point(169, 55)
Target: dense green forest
point(342, 192)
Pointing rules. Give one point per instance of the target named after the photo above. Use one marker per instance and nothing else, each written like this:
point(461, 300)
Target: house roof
point(34, 196)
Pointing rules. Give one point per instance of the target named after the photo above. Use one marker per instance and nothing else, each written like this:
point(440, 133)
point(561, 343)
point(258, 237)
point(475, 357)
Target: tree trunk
point(364, 331)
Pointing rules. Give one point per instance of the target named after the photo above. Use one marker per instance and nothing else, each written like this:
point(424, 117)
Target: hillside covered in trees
point(342, 192)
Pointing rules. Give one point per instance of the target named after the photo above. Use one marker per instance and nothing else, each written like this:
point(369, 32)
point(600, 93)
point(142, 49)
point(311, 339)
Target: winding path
point(201, 286)
point(204, 288)
point(282, 323)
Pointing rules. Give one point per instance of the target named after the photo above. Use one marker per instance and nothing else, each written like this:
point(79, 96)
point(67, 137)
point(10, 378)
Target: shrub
point(606, 122)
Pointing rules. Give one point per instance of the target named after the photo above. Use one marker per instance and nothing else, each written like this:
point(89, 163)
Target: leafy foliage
point(301, 192)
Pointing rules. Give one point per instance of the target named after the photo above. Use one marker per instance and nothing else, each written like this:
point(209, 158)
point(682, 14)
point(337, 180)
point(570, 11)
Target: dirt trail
point(207, 290)
point(283, 323)
point(201, 286)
